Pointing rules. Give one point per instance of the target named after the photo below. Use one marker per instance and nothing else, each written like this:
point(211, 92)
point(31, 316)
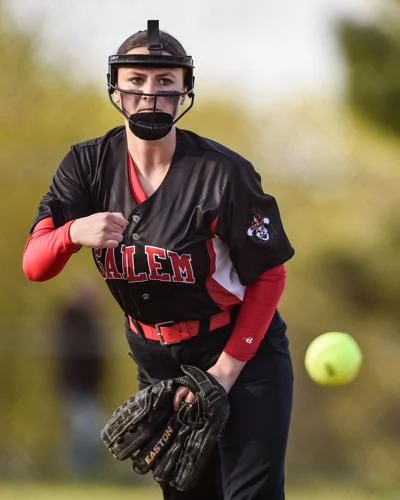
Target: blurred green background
point(333, 164)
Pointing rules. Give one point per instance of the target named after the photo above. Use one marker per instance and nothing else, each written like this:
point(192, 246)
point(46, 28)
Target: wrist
point(71, 234)
point(226, 370)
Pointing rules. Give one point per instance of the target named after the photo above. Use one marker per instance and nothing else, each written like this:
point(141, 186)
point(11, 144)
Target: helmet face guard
point(152, 125)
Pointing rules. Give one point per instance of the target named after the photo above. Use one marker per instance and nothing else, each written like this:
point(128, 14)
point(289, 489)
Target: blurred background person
point(80, 363)
point(321, 116)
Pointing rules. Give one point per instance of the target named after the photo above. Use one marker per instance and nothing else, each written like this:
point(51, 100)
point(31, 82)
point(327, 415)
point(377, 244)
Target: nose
point(149, 88)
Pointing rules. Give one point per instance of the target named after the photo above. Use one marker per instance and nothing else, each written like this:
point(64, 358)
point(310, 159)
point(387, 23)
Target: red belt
point(169, 332)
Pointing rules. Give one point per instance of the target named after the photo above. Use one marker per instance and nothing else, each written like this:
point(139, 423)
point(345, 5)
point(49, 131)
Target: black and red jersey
point(191, 248)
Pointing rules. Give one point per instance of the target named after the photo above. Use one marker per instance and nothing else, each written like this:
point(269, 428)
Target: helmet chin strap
point(152, 125)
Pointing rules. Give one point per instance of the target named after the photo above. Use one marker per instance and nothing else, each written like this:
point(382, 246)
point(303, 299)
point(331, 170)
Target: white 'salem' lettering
point(97, 255)
point(154, 255)
point(162, 265)
point(181, 267)
point(111, 266)
point(128, 265)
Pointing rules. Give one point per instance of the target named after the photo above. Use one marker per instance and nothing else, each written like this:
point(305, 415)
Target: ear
point(116, 97)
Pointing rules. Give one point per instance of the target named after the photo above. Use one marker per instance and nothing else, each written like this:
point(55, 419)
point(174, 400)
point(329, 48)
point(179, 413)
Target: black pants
point(248, 464)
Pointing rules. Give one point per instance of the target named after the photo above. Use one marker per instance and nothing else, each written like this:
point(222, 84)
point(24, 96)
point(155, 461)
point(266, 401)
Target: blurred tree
point(372, 54)
point(43, 112)
point(337, 181)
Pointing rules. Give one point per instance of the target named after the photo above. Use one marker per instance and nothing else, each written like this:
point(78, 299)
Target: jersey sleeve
point(68, 196)
point(249, 223)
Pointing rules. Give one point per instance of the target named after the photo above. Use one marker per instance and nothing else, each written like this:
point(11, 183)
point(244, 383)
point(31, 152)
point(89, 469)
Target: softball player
point(192, 250)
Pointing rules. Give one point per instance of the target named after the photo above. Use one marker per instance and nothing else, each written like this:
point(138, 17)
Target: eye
point(165, 81)
point(136, 80)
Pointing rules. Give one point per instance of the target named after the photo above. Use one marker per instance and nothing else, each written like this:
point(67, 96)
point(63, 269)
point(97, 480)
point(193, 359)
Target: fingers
point(99, 230)
point(112, 242)
point(118, 224)
point(118, 220)
point(113, 239)
point(179, 396)
point(190, 398)
point(183, 394)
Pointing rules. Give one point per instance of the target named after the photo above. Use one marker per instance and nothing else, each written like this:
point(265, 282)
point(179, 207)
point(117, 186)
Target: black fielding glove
point(200, 430)
point(174, 445)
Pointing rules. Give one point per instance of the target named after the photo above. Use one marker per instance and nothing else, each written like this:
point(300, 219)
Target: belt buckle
point(157, 326)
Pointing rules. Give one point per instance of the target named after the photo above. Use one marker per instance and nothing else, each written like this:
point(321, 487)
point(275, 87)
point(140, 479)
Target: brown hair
point(139, 39)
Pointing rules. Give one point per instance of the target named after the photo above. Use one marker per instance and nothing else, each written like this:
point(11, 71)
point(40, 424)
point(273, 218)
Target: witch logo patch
point(258, 229)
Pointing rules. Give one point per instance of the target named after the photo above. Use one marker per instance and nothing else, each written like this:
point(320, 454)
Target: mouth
point(146, 110)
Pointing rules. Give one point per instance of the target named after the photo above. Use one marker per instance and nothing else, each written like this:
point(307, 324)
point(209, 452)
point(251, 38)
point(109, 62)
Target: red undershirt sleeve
point(259, 304)
point(47, 250)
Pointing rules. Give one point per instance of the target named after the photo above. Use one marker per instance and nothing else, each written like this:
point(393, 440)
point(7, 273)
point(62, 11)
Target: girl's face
point(146, 80)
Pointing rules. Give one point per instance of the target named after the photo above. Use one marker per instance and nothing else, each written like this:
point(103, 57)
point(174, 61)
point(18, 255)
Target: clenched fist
point(101, 230)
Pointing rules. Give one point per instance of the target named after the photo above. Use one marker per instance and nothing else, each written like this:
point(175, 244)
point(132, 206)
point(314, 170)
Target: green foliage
point(336, 181)
point(372, 53)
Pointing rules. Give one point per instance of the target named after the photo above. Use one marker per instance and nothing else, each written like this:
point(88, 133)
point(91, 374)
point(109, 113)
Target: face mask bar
point(148, 61)
point(152, 125)
point(155, 58)
point(160, 93)
point(158, 124)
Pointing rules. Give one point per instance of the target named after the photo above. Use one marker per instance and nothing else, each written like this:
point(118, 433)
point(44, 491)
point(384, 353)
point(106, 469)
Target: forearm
point(226, 370)
point(258, 308)
point(47, 250)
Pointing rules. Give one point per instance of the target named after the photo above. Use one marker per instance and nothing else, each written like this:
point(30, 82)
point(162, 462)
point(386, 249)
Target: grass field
point(34, 491)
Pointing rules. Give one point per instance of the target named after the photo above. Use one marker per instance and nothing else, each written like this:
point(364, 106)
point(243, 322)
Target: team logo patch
point(258, 229)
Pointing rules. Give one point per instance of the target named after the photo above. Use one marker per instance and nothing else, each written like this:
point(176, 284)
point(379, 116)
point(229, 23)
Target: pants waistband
point(169, 332)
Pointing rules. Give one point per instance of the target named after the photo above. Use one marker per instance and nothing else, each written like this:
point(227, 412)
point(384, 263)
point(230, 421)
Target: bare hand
point(101, 230)
point(226, 370)
point(183, 393)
